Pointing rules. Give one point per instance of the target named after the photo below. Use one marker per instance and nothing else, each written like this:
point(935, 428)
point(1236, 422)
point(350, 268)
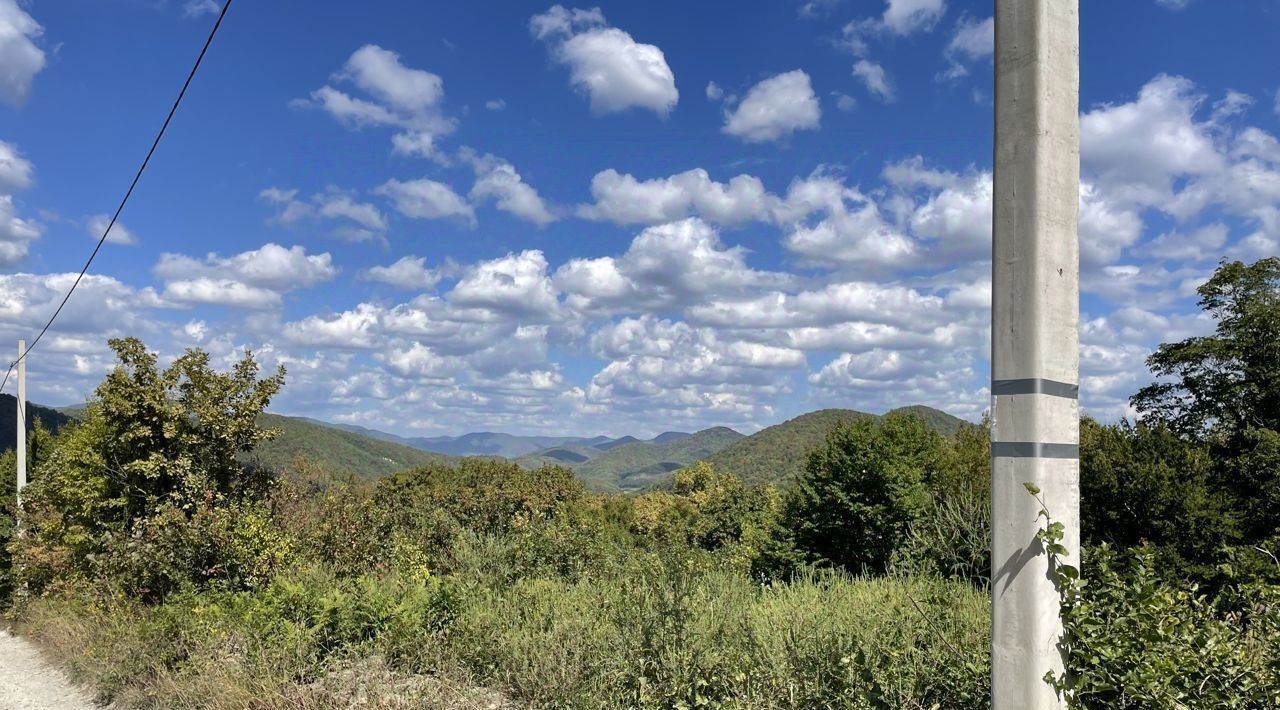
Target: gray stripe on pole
point(1034, 450)
point(1035, 385)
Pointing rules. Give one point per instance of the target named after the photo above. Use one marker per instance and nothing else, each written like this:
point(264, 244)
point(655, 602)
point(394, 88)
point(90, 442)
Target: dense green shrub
point(1137, 641)
point(952, 538)
point(484, 495)
point(1145, 484)
point(862, 491)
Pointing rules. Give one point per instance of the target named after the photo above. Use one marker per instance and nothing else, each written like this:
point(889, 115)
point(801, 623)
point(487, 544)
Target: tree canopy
point(1230, 380)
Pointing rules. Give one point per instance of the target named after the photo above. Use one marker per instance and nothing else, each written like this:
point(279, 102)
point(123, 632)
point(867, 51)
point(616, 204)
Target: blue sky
point(615, 219)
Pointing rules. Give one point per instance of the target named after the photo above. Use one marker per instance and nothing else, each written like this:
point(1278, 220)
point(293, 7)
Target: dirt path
point(28, 682)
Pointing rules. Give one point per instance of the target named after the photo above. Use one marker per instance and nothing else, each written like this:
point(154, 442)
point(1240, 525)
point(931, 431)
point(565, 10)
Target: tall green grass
point(662, 633)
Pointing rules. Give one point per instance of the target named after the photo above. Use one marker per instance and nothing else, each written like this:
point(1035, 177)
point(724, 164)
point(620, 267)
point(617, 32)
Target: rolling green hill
point(335, 449)
point(642, 463)
point(777, 454)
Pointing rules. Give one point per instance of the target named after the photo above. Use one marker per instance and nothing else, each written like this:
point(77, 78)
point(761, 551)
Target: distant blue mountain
point(484, 443)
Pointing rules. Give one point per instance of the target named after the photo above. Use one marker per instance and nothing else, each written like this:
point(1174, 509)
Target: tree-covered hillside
point(336, 450)
point(935, 419)
point(640, 464)
point(52, 419)
point(777, 454)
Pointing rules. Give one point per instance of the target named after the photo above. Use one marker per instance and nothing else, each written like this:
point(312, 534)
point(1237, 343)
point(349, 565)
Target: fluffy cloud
point(1159, 151)
point(352, 329)
point(353, 220)
point(1200, 245)
point(1137, 149)
point(674, 372)
point(20, 58)
point(1105, 228)
point(774, 109)
point(973, 40)
point(16, 233)
point(251, 279)
point(876, 79)
point(101, 307)
point(497, 180)
point(119, 234)
point(426, 199)
point(515, 284)
point(399, 96)
point(900, 18)
point(623, 199)
point(220, 292)
point(409, 273)
point(883, 379)
point(836, 303)
point(73, 356)
point(904, 17)
point(956, 220)
point(851, 232)
point(15, 170)
point(616, 72)
point(669, 266)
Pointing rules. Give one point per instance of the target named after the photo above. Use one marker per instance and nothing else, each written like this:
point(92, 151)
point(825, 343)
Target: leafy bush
point(1145, 484)
point(1137, 641)
point(484, 495)
point(861, 492)
point(952, 538)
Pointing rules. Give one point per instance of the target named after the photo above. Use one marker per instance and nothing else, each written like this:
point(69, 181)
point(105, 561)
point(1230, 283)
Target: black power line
point(137, 176)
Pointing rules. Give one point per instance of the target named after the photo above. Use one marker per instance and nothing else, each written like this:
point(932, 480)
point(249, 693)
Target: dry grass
point(113, 654)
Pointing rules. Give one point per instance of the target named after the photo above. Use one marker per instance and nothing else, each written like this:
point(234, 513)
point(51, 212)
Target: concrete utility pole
point(20, 450)
point(1035, 348)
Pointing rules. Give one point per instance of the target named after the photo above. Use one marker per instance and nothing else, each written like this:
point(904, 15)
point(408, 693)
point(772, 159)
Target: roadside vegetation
point(167, 573)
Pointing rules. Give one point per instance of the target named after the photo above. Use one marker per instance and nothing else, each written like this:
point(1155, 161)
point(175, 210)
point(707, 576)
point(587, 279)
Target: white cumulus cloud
point(497, 180)
point(616, 72)
point(774, 109)
point(426, 199)
point(20, 58)
point(251, 279)
point(399, 96)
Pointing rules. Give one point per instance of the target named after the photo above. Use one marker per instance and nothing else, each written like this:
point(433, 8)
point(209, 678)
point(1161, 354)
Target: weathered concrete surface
point(1035, 317)
point(28, 682)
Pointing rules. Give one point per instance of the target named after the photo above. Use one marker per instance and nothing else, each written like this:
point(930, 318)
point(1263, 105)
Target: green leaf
point(1032, 488)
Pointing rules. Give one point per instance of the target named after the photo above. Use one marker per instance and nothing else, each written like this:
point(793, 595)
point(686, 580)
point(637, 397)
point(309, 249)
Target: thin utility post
point(20, 450)
point(1035, 348)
